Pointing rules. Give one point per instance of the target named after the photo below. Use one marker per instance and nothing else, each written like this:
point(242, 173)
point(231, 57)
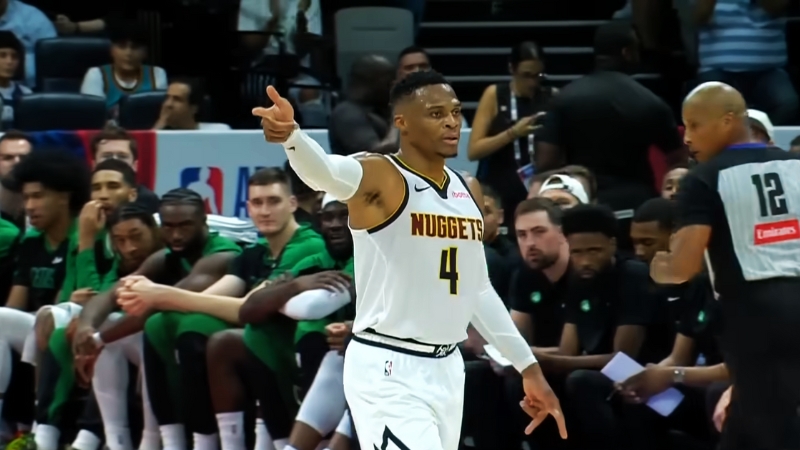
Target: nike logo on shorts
point(672, 299)
point(421, 189)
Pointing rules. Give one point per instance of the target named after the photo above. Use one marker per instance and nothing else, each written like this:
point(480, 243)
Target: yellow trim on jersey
point(425, 177)
point(393, 216)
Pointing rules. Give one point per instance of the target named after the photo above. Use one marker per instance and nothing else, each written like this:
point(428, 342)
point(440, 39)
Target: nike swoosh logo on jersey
point(57, 259)
point(672, 299)
point(421, 189)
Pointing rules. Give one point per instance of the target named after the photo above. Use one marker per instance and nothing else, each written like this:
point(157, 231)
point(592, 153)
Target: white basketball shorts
point(403, 401)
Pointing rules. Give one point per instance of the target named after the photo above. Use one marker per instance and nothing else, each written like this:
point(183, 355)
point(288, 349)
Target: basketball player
point(741, 203)
point(420, 272)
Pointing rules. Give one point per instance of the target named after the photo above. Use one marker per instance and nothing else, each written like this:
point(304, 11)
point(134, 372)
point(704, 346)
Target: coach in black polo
point(609, 305)
point(539, 283)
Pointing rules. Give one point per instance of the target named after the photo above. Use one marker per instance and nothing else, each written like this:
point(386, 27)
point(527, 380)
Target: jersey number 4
point(771, 196)
point(448, 269)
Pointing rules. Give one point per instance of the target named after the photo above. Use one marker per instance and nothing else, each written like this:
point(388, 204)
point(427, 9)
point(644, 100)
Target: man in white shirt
point(293, 19)
point(30, 25)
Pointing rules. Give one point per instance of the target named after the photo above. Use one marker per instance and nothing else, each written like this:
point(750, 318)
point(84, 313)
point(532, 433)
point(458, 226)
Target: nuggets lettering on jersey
point(418, 274)
point(449, 227)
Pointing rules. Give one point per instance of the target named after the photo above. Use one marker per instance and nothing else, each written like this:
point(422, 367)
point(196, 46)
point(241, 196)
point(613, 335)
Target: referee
point(742, 204)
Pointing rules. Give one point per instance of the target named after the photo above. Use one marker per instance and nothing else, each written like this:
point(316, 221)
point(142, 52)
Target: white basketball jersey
point(419, 273)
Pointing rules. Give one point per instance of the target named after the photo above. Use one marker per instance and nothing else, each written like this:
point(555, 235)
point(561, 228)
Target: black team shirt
point(620, 295)
point(40, 268)
point(702, 320)
point(532, 293)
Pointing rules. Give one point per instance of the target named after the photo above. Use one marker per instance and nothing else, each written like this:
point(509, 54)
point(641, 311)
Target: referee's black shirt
point(750, 197)
point(607, 122)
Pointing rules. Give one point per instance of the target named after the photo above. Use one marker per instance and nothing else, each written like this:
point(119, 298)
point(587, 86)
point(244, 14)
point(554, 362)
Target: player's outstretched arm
point(337, 175)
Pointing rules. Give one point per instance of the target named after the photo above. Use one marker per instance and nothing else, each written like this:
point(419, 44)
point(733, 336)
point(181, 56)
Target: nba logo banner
point(208, 182)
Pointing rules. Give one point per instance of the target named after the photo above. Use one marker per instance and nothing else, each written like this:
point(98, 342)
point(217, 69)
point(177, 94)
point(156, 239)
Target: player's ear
point(400, 122)
point(293, 203)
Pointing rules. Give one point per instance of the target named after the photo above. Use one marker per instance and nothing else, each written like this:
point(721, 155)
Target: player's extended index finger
point(559, 416)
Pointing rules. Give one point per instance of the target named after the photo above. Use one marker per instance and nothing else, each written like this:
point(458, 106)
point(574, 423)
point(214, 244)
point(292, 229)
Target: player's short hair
point(183, 196)
point(658, 210)
point(57, 170)
point(554, 213)
point(410, 50)
point(128, 175)
point(406, 87)
point(130, 211)
point(15, 135)
point(114, 133)
point(588, 218)
point(489, 191)
point(10, 40)
point(268, 176)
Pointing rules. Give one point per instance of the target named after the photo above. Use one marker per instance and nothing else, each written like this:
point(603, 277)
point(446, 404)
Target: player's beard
point(545, 262)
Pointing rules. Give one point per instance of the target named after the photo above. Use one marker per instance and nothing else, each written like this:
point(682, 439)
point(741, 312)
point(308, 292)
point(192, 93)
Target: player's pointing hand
point(540, 401)
point(277, 120)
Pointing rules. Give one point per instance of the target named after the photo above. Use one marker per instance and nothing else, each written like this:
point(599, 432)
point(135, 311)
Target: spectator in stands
point(761, 128)
point(196, 259)
point(285, 26)
point(412, 59)
point(672, 179)
point(182, 106)
point(502, 130)
point(500, 252)
point(727, 26)
point(361, 123)
point(539, 284)
point(415, 59)
point(651, 228)
point(116, 143)
point(608, 122)
point(580, 173)
point(694, 366)
point(11, 91)
point(30, 25)
point(564, 191)
point(14, 145)
point(55, 185)
point(127, 74)
point(794, 146)
point(609, 305)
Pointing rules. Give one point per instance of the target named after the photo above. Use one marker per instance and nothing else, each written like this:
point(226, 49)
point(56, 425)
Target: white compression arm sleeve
point(315, 304)
point(493, 322)
point(337, 175)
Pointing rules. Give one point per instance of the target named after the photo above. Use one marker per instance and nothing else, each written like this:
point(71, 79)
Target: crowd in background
point(133, 321)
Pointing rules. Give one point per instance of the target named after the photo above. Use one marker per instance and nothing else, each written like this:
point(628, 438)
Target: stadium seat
point(141, 110)
point(371, 30)
point(62, 62)
point(60, 111)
